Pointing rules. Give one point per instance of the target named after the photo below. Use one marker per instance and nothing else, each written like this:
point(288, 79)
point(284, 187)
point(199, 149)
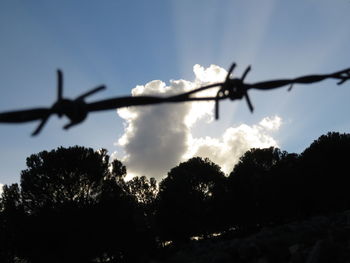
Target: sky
point(166, 47)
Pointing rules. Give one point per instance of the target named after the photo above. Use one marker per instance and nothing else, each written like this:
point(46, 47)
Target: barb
point(76, 110)
point(233, 89)
point(236, 88)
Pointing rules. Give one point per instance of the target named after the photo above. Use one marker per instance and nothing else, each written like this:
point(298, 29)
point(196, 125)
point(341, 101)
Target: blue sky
point(126, 43)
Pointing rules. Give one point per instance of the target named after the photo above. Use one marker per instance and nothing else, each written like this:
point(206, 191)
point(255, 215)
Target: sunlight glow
point(158, 138)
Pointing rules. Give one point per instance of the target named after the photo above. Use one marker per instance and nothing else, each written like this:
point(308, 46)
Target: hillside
point(317, 239)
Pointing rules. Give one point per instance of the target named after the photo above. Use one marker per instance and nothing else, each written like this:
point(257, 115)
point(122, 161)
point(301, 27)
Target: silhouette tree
point(286, 201)
point(250, 186)
point(145, 192)
point(11, 199)
point(12, 224)
point(78, 210)
point(73, 205)
point(65, 175)
point(186, 204)
point(325, 176)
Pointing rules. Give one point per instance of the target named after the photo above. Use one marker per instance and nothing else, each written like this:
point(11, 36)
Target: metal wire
point(232, 88)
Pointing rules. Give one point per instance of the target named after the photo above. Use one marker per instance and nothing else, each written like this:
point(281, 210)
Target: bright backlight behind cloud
point(157, 138)
point(226, 149)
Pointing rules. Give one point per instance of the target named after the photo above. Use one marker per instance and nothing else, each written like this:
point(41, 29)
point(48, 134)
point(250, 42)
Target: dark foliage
point(63, 176)
point(145, 192)
point(74, 209)
point(12, 220)
point(188, 200)
point(250, 185)
point(74, 205)
point(325, 169)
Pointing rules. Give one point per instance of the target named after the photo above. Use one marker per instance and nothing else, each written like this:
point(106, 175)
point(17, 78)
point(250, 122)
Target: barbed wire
point(76, 110)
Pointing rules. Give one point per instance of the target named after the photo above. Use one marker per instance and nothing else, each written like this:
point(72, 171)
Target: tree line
point(74, 204)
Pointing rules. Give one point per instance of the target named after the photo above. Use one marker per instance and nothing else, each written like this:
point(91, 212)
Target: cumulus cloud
point(271, 123)
point(233, 143)
point(157, 138)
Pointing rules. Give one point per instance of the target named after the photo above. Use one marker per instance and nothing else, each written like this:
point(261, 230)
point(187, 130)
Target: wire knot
point(233, 89)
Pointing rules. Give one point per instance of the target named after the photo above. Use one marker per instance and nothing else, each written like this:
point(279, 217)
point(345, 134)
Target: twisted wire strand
point(232, 88)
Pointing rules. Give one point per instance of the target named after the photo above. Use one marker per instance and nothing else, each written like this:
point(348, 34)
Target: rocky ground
point(318, 239)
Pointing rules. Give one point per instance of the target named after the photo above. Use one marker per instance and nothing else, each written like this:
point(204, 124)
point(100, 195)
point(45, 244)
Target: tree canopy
point(74, 204)
point(75, 207)
point(187, 197)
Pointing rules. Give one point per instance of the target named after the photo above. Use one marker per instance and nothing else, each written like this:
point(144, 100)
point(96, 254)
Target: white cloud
point(156, 138)
point(1, 190)
point(234, 142)
point(272, 124)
